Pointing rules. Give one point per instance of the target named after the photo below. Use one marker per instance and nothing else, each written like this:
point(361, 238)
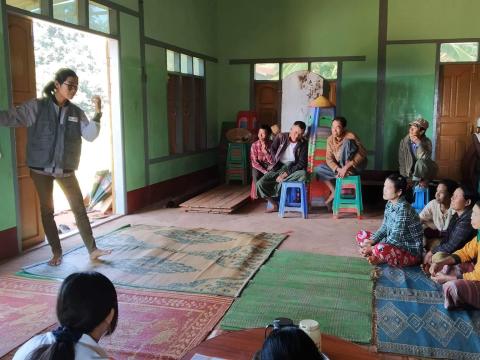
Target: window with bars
point(85, 13)
point(459, 52)
point(272, 72)
point(186, 103)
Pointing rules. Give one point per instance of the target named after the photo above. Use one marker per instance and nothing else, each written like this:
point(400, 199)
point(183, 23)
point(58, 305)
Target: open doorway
point(33, 61)
point(89, 56)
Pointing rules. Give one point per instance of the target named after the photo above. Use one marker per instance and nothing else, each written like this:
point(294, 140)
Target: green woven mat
point(336, 291)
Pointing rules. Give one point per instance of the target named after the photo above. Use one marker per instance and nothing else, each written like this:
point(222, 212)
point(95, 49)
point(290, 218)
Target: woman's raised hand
point(97, 101)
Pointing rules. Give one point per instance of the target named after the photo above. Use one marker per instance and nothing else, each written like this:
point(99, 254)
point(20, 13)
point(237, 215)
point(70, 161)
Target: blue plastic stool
point(289, 200)
point(421, 198)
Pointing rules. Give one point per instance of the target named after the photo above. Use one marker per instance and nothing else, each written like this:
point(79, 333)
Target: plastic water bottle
point(312, 329)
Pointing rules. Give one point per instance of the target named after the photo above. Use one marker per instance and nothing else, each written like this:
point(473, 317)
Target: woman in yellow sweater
point(461, 284)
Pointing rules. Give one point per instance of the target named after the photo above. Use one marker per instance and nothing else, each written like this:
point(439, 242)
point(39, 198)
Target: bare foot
point(55, 260)
point(272, 206)
point(273, 209)
point(373, 260)
point(426, 269)
point(329, 202)
point(366, 251)
point(95, 254)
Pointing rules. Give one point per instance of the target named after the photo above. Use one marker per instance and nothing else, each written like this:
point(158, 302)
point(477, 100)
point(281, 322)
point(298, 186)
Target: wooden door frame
point(440, 70)
point(438, 64)
point(437, 104)
point(120, 189)
point(13, 149)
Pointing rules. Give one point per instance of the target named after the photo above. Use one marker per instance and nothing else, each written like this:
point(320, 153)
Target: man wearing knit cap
point(415, 154)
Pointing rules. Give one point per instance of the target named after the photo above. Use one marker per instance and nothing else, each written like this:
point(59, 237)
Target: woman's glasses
point(70, 87)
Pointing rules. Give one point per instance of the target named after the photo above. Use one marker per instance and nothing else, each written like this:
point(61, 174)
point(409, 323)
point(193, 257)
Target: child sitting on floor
point(399, 241)
point(461, 282)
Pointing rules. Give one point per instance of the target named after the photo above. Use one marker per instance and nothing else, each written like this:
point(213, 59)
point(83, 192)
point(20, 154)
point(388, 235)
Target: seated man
point(435, 216)
point(260, 156)
point(289, 162)
point(415, 154)
point(345, 156)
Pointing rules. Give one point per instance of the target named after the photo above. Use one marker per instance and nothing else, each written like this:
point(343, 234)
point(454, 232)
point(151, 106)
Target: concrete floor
point(317, 234)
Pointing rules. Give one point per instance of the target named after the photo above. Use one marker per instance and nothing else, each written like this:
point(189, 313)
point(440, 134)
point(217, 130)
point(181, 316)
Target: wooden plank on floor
point(202, 197)
point(223, 199)
point(219, 198)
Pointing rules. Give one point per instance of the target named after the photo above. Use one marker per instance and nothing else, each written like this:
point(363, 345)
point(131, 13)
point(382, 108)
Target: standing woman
point(55, 130)
point(260, 157)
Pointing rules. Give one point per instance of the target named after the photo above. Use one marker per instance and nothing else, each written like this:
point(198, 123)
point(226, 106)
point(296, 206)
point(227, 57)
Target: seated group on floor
point(442, 238)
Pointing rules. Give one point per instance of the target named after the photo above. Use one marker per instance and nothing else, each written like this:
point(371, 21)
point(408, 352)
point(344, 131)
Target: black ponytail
point(84, 301)
point(61, 75)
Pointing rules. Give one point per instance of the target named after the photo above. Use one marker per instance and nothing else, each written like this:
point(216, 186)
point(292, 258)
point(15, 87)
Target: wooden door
point(332, 93)
point(459, 106)
point(22, 65)
point(267, 102)
point(173, 87)
point(200, 133)
point(188, 114)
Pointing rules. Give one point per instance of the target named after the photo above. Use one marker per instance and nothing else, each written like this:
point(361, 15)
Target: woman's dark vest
point(52, 143)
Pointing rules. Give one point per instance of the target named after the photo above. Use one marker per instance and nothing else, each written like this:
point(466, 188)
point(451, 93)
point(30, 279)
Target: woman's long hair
point(61, 75)
point(85, 300)
point(289, 343)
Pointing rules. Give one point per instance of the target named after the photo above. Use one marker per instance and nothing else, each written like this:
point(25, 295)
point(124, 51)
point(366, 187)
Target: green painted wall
point(131, 4)
point(132, 103)
point(433, 19)
point(233, 90)
point(7, 193)
point(156, 64)
point(181, 166)
point(189, 24)
point(288, 28)
point(409, 94)
point(358, 91)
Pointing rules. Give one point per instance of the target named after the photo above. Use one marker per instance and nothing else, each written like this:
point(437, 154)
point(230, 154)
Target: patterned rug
point(169, 258)
point(411, 319)
point(26, 308)
point(336, 291)
point(152, 324)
